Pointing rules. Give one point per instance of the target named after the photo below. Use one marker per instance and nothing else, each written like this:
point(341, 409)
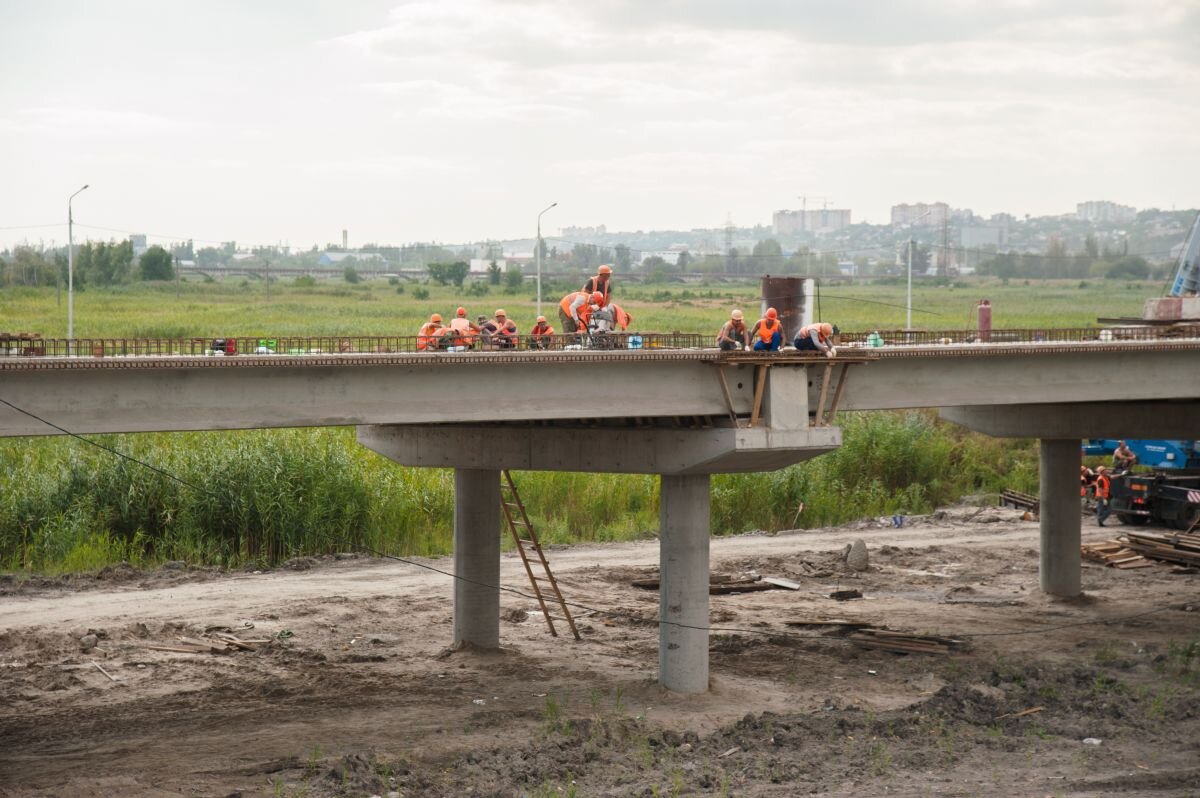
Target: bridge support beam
point(477, 557)
point(1060, 517)
point(683, 585)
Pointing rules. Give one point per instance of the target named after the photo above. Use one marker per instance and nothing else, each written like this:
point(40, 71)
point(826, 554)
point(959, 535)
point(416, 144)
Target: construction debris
point(719, 584)
point(845, 595)
point(1114, 554)
point(1021, 714)
point(1178, 547)
point(904, 643)
point(1020, 501)
point(216, 643)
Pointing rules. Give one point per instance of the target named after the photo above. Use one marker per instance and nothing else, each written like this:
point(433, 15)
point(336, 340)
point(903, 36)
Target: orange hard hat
point(772, 313)
point(460, 312)
point(606, 269)
point(436, 317)
point(598, 297)
point(541, 319)
point(500, 312)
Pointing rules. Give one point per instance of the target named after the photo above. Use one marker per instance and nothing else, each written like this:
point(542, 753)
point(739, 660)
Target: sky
point(459, 120)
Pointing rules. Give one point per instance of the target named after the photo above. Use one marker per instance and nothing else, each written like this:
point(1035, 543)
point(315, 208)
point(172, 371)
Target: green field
point(262, 496)
point(242, 307)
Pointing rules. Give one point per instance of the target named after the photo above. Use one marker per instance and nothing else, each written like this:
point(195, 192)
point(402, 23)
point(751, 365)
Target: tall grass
point(264, 496)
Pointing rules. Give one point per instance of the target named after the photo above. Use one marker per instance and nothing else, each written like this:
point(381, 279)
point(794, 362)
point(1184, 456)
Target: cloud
point(70, 121)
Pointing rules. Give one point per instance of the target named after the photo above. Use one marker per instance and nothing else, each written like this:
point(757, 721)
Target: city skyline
point(459, 121)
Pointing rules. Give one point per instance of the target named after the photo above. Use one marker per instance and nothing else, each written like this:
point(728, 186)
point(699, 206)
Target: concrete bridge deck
point(681, 413)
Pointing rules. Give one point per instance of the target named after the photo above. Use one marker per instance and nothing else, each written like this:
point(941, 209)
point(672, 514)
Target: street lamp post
point(538, 257)
point(71, 267)
point(911, 243)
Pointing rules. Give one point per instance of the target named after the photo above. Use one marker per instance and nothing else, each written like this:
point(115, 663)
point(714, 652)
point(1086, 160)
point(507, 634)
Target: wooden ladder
point(518, 522)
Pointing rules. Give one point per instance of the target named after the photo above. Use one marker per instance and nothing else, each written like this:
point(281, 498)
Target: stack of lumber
point(215, 643)
point(1020, 501)
point(1115, 554)
point(904, 643)
point(1177, 547)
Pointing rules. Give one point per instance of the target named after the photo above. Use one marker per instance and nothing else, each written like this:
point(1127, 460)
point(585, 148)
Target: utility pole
point(71, 268)
point(538, 255)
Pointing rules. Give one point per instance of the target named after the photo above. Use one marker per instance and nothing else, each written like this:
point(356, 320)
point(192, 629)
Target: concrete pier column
point(683, 588)
point(1060, 516)
point(477, 557)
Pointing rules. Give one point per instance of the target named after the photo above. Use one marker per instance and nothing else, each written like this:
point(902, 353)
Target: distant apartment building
point(584, 232)
point(1105, 211)
point(826, 220)
point(920, 213)
point(138, 242)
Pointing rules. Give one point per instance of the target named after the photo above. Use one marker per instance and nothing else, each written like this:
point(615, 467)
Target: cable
point(32, 226)
point(101, 446)
point(596, 610)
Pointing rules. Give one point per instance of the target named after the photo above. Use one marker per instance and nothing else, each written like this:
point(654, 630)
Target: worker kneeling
point(734, 335)
point(768, 332)
point(817, 338)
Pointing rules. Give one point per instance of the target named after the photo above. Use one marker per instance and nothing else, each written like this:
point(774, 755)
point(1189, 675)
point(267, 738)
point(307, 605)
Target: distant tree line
point(101, 263)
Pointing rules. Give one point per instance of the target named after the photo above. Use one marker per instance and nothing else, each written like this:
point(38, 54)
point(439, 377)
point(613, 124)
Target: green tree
point(514, 279)
point(449, 273)
point(494, 273)
point(685, 258)
point(350, 274)
point(156, 264)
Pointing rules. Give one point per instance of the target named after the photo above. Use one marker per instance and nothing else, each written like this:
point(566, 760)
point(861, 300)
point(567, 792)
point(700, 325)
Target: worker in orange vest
point(816, 338)
point(602, 282)
point(505, 335)
point(1103, 490)
point(462, 331)
point(542, 334)
point(430, 332)
point(575, 309)
point(767, 332)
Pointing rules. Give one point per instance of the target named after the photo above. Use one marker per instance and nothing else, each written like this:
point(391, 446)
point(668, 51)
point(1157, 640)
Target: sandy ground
point(356, 693)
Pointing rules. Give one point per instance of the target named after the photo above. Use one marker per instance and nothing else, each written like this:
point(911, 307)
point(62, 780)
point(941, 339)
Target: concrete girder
point(1177, 419)
point(611, 450)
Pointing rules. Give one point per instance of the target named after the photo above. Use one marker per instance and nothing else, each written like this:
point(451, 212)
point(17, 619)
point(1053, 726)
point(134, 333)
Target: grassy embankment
point(266, 495)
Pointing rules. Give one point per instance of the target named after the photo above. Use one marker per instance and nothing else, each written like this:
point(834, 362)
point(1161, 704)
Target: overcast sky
point(458, 120)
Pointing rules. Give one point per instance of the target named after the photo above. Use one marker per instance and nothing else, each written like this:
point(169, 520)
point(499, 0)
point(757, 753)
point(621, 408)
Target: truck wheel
point(1189, 517)
point(1129, 519)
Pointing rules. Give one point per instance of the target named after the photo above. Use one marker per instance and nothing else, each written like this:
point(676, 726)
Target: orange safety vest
point(428, 334)
point(542, 329)
point(807, 331)
point(568, 299)
point(593, 284)
point(1102, 486)
point(767, 329)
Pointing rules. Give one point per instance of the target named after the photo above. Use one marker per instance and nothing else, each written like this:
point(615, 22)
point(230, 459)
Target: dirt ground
point(355, 692)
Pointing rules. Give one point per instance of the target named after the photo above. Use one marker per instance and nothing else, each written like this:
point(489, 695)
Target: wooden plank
point(759, 383)
point(779, 581)
point(828, 373)
point(837, 394)
point(728, 397)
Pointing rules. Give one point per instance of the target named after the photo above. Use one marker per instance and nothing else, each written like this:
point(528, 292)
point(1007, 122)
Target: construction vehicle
point(1171, 493)
point(1168, 495)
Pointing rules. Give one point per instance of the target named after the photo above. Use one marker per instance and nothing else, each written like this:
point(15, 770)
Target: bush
point(305, 281)
point(420, 293)
point(351, 275)
point(393, 281)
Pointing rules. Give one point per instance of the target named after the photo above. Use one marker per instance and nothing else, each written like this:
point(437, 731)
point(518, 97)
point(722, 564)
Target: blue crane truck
point(1170, 493)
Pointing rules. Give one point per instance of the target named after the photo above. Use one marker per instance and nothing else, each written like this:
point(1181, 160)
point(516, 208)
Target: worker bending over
point(576, 308)
point(816, 338)
point(602, 282)
point(768, 332)
point(542, 334)
point(733, 334)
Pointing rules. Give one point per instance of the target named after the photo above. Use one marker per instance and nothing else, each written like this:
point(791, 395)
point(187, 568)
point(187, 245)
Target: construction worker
point(767, 332)
point(1123, 458)
point(602, 282)
point(733, 334)
point(1103, 491)
point(1087, 478)
point(430, 333)
point(575, 309)
point(462, 331)
point(542, 334)
point(816, 337)
point(505, 335)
